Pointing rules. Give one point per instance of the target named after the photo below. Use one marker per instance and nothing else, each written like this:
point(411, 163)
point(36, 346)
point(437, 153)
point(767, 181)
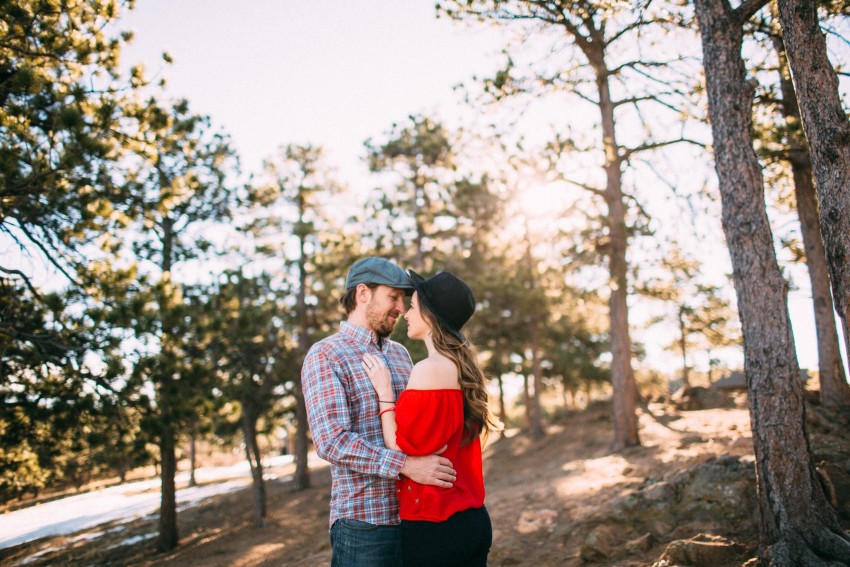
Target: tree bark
point(535, 420)
point(192, 448)
point(828, 132)
point(683, 348)
point(301, 480)
point(503, 413)
point(796, 522)
point(624, 396)
point(535, 428)
point(168, 536)
point(526, 399)
point(834, 390)
point(252, 452)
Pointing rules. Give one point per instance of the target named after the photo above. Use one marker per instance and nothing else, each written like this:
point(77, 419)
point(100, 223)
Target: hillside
point(558, 501)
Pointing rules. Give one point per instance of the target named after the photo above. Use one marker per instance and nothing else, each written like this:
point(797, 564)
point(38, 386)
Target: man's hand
point(432, 469)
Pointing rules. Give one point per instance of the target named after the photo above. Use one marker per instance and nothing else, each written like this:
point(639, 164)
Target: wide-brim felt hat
point(447, 297)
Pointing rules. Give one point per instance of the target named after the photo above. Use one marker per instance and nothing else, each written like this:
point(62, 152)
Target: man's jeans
point(358, 544)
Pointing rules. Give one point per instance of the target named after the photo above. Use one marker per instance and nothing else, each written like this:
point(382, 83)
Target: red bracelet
point(382, 412)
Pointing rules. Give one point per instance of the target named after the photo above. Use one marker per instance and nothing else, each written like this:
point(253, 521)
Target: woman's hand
point(380, 376)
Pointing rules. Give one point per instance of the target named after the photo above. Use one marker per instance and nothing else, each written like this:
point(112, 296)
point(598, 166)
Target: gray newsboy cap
point(373, 270)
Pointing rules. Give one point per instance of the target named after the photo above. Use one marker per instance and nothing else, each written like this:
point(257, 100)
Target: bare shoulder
point(434, 373)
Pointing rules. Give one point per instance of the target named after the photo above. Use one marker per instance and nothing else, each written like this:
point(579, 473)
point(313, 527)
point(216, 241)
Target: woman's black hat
point(447, 297)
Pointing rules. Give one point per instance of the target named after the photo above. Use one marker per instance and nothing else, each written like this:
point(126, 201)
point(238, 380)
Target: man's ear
point(363, 293)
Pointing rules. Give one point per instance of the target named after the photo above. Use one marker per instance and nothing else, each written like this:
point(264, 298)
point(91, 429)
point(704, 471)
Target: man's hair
point(349, 300)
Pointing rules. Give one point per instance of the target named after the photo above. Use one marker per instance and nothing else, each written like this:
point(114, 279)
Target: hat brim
point(426, 301)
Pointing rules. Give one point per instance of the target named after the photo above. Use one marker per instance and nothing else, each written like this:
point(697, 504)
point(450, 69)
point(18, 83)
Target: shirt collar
point(360, 334)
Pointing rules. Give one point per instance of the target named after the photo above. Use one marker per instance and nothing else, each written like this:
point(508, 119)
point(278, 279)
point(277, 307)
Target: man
point(342, 409)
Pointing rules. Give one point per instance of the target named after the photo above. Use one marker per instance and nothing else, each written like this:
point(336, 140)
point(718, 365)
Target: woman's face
point(417, 327)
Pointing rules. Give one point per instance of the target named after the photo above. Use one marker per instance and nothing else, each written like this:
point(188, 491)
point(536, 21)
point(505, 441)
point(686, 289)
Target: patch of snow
point(124, 502)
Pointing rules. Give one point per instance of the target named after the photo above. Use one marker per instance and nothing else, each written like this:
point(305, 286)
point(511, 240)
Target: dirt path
point(544, 497)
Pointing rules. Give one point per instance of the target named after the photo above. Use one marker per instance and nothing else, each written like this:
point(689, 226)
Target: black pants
point(463, 540)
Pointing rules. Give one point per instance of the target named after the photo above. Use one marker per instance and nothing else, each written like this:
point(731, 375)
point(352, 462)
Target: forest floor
point(550, 500)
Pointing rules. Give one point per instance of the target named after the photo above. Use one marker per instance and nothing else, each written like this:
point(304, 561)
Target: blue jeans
point(359, 544)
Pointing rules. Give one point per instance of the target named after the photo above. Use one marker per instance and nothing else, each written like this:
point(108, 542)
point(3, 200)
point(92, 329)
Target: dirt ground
point(544, 498)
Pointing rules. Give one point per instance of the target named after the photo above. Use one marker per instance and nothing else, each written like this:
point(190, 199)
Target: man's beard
point(380, 323)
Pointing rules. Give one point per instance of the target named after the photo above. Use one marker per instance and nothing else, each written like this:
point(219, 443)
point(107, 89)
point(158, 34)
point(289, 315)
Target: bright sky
point(273, 72)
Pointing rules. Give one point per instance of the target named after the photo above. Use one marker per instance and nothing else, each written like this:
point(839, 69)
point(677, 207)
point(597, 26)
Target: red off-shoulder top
point(426, 421)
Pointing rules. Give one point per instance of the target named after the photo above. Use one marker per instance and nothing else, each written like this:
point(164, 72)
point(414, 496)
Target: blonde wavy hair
point(477, 419)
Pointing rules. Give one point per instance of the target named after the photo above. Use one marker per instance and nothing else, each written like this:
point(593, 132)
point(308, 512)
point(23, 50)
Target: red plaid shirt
point(342, 408)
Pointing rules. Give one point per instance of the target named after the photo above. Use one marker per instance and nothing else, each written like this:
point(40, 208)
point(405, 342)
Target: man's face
point(383, 308)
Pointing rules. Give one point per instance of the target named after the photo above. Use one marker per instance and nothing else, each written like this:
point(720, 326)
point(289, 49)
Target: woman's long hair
point(477, 419)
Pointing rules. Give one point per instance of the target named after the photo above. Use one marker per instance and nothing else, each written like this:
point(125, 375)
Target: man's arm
point(431, 469)
point(330, 420)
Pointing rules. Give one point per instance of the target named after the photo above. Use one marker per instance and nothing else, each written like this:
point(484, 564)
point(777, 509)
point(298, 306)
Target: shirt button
point(408, 488)
point(417, 501)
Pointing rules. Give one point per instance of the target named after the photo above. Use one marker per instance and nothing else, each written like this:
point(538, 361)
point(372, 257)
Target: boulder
point(600, 544)
point(703, 550)
point(718, 488)
point(535, 520)
point(699, 398)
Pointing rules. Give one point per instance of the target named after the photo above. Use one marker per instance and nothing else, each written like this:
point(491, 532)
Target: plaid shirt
point(342, 408)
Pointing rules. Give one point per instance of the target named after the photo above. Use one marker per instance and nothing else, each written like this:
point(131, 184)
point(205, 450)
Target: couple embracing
point(404, 441)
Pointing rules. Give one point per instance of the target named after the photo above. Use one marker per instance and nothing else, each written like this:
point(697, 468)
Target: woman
point(444, 408)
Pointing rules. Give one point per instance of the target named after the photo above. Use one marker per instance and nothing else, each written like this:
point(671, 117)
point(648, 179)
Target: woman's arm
point(381, 379)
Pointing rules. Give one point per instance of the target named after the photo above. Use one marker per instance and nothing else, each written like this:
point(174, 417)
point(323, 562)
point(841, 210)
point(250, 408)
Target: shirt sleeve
point(426, 420)
point(330, 420)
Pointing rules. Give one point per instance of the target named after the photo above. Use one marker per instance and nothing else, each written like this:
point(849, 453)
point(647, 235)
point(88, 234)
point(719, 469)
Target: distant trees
point(251, 356)
point(291, 224)
point(61, 101)
point(179, 180)
point(702, 316)
point(608, 71)
point(418, 159)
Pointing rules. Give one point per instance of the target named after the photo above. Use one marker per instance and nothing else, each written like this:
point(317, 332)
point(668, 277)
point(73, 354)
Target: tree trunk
point(192, 457)
point(624, 395)
point(683, 347)
point(535, 428)
point(796, 522)
point(301, 480)
point(828, 132)
point(526, 399)
point(834, 390)
point(252, 452)
point(535, 421)
point(503, 413)
point(168, 537)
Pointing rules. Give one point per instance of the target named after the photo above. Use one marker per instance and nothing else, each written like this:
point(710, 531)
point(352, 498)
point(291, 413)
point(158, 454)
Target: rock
point(703, 550)
point(640, 544)
point(599, 544)
point(745, 442)
point(534, 520)
point(719, 488)
point(699, 398)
